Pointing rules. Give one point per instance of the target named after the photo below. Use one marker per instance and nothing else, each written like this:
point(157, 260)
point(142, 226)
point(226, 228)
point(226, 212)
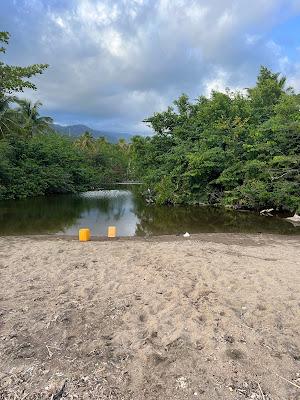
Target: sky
point(115, 62)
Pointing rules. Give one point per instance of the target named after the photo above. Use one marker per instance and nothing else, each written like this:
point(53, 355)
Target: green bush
point(241, 150)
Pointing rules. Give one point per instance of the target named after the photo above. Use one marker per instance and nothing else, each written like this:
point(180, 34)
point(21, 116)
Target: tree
point(32, 163)
point(266, 94)
point(14, 78)
point(29, 113)
point(231, 149)
point(7, 115)
point(86, 141)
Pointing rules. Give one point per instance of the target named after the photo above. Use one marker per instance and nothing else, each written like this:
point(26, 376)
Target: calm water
point(65, 214)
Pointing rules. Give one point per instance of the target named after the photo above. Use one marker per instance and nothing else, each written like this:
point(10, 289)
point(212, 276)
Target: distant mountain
point(78, 130)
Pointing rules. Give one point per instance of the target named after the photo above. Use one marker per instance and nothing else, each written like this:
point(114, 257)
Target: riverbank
point(215, 316)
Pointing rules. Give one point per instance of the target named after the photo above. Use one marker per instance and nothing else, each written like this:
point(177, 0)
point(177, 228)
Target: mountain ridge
point(77, 130)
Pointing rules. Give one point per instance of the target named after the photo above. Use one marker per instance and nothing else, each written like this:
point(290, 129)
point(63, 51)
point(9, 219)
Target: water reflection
point(177, 220)
point(104, 208)
point(125, 209)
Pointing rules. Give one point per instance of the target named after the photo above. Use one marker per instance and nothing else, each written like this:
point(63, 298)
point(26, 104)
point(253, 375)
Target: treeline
point(48, 163)
point(236, 149)
point(240, 150)
point(35, 160)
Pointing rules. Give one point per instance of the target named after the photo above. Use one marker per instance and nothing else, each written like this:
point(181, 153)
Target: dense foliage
point(34, 160)
point(236, 149)
point(51, 163)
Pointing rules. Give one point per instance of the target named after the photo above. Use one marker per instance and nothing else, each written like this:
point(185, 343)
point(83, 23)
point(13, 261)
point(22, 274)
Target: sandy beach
point(210, 317)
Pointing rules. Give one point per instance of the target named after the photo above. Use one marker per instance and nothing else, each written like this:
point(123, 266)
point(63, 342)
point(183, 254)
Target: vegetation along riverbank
point(34, 159)
point(238, 149)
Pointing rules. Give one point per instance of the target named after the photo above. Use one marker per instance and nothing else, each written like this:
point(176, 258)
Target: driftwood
point(267, 212)
point(295, 220)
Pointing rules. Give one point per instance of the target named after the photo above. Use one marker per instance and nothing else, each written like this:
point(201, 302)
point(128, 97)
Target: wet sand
point(211, 317)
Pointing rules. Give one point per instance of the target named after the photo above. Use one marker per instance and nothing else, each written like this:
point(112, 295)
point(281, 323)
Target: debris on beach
point(267, 212)
point(295, 219)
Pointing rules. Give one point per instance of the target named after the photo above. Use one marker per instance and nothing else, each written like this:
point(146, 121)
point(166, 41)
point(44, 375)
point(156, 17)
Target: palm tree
point(32, 120)
point(122, 144)
point(85, 141)
point(7, 115)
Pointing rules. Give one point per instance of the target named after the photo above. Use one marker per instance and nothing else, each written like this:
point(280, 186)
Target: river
point(125, 209)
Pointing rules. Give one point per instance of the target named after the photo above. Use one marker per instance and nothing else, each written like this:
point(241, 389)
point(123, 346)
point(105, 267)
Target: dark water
point(65, 214)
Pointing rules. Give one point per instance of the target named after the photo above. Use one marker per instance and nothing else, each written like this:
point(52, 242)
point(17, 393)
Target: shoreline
point(218, 237)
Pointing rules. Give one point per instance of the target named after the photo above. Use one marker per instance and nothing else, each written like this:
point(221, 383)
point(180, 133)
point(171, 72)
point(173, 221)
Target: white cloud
point(252, 39)
point(124, 59)
point(217, 83)
point(96, 12)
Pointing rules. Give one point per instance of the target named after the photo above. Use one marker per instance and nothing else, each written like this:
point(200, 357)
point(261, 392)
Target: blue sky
point(115, 62)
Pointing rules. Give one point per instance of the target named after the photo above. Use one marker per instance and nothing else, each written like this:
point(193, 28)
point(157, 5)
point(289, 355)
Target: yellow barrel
point(112, 232)
point(84, 235)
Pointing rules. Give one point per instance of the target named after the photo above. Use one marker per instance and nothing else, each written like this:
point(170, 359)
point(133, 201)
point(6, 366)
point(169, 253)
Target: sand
point(210, 317)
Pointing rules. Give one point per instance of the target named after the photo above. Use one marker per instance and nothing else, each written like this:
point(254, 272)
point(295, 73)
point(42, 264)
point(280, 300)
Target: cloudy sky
point(114, 62)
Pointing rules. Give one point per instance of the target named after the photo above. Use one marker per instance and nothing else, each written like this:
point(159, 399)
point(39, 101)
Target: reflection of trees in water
point(112, 207)
point(39, 215)
point(160, 220)
point(58, 213)
point(55, 213)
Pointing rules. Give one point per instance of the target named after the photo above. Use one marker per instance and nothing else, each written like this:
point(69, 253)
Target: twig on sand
point(49, 352)
point(60, 393)
point(261, 392)
point(292, 383)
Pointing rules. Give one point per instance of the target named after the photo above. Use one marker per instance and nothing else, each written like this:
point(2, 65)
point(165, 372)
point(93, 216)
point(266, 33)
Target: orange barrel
point(84, 235)
point(112, 232)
